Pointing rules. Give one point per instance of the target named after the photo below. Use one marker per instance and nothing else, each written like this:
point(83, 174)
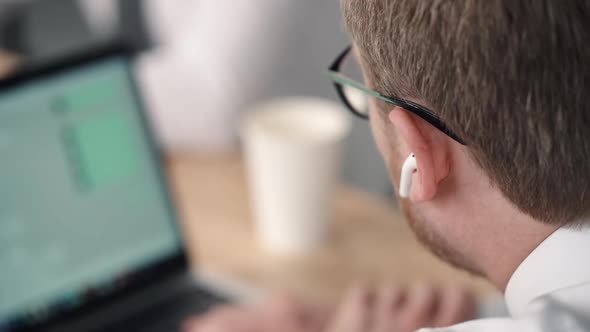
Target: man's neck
point(502, 255)
point(492, 232)
point(478, 222)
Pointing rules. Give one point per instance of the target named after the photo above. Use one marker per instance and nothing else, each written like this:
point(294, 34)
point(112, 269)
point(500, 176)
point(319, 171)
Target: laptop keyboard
point(168, 315)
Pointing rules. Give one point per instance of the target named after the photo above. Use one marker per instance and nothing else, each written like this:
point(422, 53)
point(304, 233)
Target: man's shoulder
point(566, 309)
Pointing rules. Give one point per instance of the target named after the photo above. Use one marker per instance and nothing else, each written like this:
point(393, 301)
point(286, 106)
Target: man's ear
point(430, 147)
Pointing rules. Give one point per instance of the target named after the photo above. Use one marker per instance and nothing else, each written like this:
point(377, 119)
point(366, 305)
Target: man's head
point(510, 77)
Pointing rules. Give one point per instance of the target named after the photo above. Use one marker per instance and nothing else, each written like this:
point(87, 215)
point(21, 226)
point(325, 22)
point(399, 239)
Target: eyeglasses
point(347, 76)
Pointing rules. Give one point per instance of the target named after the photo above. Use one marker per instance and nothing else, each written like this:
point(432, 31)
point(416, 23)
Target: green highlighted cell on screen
point(104, 150)
point(85, 97)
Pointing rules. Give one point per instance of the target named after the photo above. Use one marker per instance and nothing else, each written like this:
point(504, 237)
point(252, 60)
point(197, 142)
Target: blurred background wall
point(284, 47)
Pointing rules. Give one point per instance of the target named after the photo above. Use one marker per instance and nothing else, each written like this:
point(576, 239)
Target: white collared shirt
point(549, 291)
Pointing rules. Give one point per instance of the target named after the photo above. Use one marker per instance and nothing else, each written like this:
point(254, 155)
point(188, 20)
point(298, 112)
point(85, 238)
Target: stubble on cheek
point(437, 243)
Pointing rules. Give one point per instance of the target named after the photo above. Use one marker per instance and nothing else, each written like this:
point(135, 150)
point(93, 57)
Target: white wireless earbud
point(405, 182)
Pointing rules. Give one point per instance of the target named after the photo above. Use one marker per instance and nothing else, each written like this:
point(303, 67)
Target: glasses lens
point(356, 98)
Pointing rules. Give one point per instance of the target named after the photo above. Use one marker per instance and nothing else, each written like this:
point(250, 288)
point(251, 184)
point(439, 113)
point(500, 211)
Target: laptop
point(89, 239)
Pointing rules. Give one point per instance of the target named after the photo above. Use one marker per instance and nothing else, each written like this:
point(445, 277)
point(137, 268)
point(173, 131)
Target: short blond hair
point(511, 77)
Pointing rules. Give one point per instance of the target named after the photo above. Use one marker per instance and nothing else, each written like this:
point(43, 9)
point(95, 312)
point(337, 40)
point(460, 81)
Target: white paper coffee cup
point(292, 148)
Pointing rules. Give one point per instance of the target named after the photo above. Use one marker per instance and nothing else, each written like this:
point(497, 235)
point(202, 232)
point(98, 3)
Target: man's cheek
point(386, 144)
point(379, 133)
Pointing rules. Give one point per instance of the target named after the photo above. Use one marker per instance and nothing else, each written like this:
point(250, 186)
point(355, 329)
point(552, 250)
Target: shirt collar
point(558, 262)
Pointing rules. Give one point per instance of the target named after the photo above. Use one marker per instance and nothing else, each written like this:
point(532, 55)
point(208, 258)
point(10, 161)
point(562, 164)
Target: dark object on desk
point(43, 30)
point(92, 224)
point(11, 27)
point(53, 28)
point(133, 29)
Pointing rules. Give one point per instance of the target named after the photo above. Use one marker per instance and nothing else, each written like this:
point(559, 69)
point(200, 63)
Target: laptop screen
point(82, 206)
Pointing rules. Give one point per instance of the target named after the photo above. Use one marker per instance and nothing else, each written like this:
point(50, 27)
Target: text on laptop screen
point(81, 202)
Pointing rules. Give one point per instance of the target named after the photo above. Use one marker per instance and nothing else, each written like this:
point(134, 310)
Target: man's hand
point(388, 310)
point(402, 310)
point(281, 313)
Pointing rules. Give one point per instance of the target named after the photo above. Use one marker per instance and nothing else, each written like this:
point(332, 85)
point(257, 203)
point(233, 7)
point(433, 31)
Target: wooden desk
point(369, 239)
